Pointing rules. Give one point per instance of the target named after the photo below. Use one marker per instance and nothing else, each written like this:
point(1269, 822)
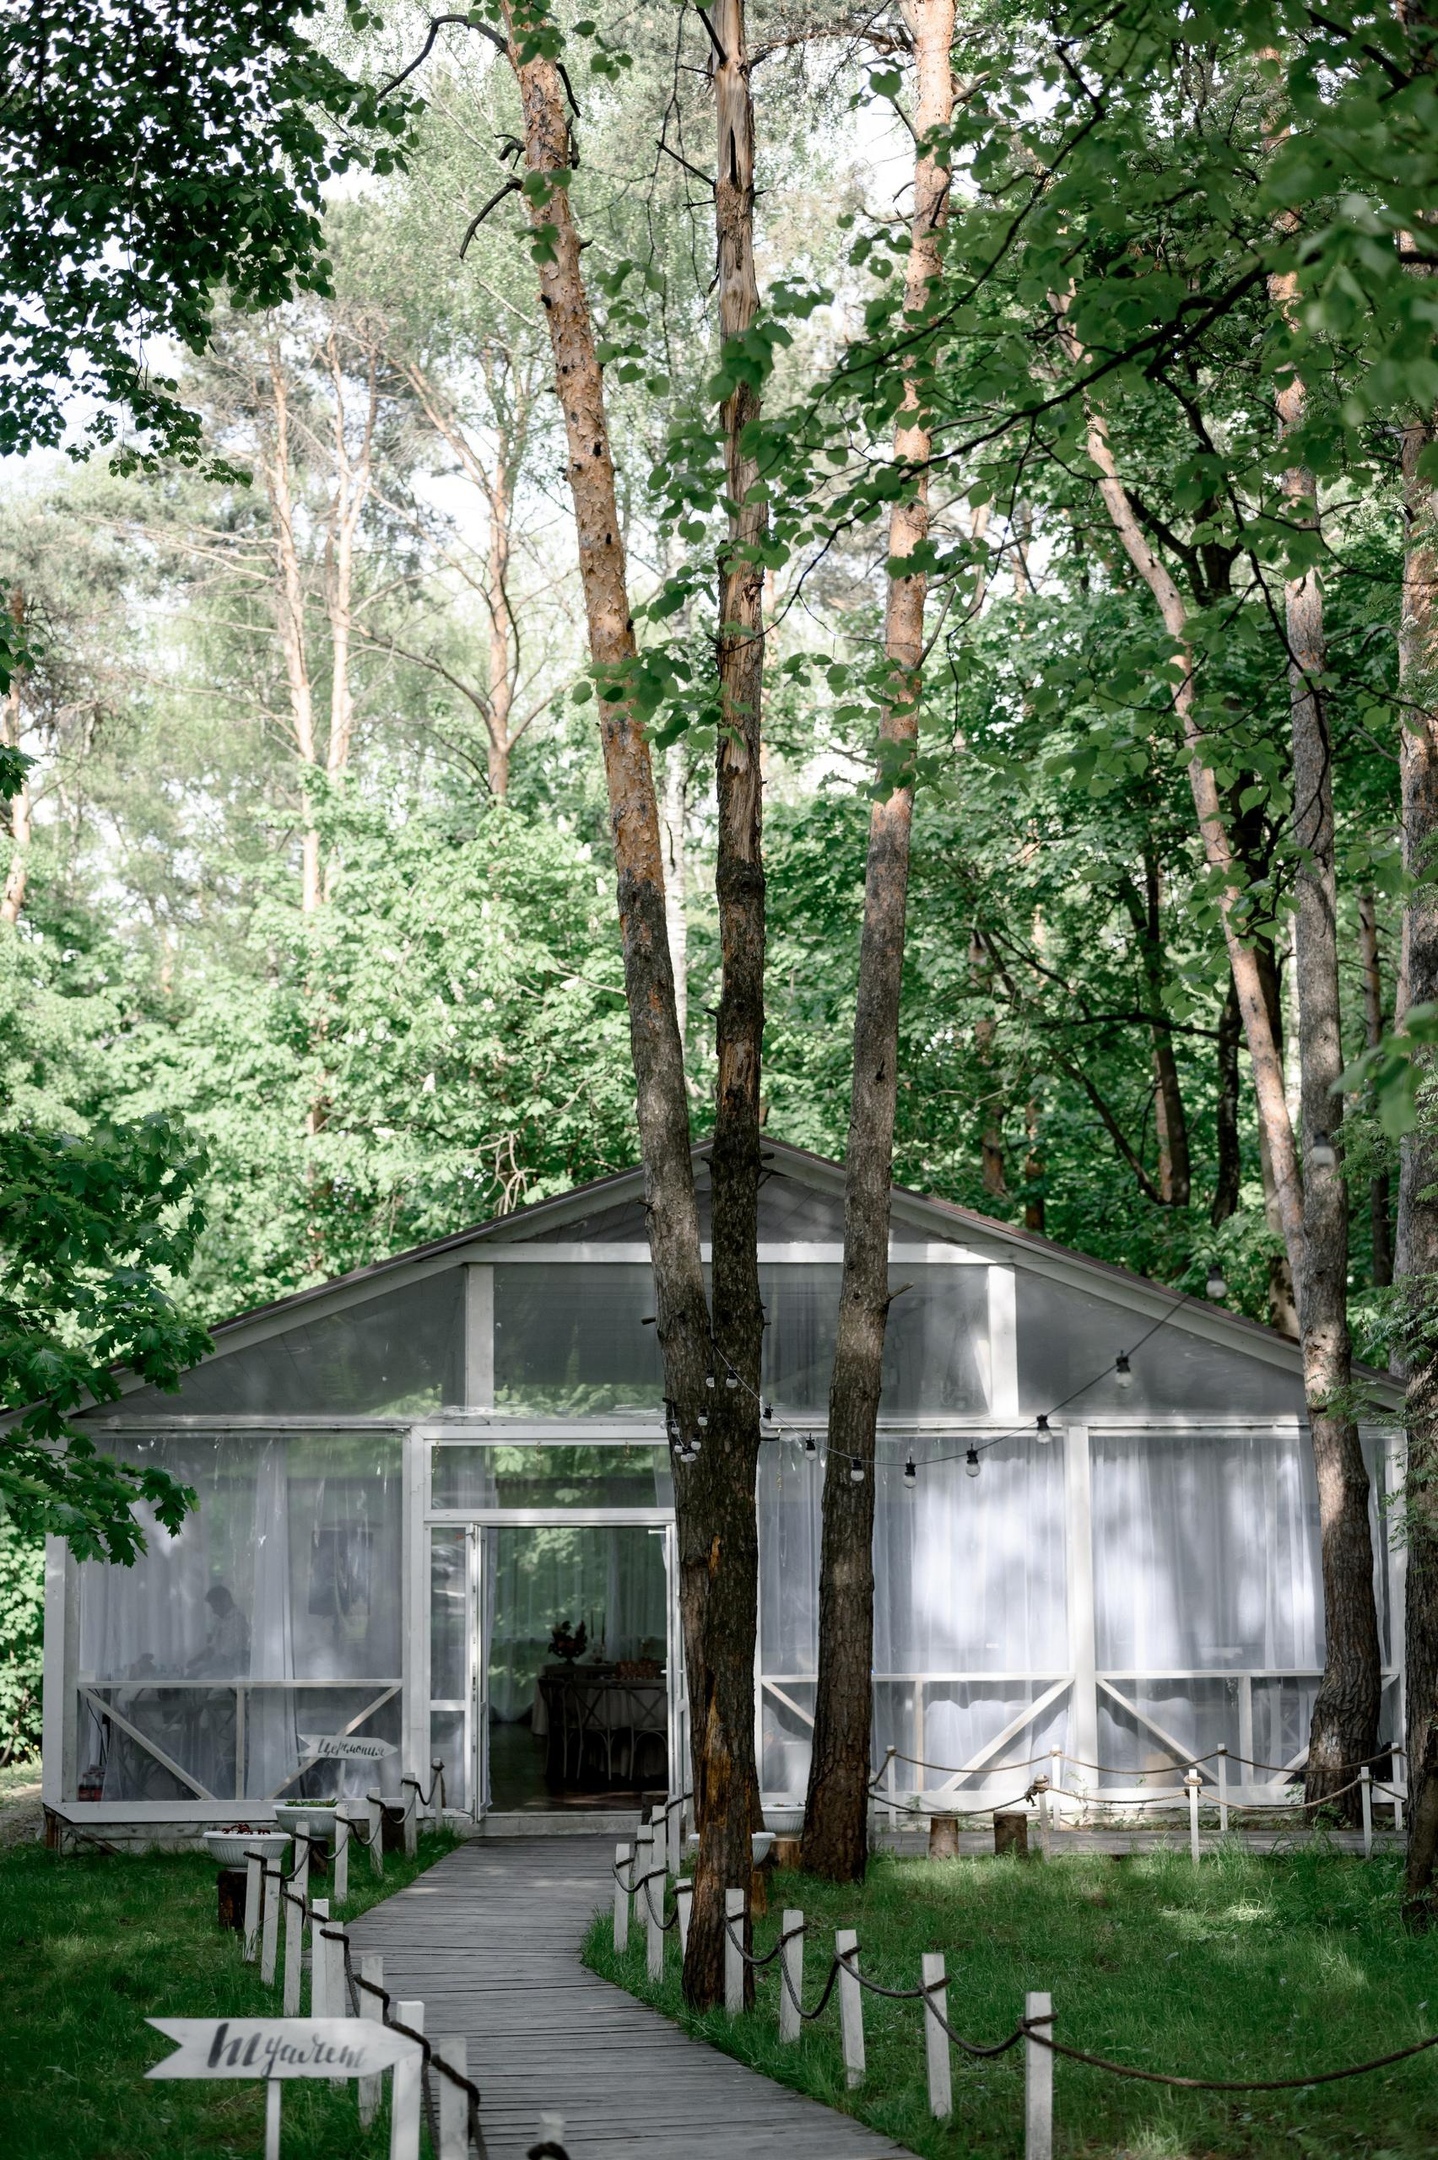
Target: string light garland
point(911, 1473)
point(971, 1462)
point(856, 1471)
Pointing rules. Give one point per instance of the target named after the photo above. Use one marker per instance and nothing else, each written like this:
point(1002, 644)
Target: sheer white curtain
point(274, 1752)
point(969, 1579)
point(611, 1578)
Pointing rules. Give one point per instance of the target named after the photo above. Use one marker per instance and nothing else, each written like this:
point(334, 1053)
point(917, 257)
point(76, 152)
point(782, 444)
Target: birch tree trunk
point(663, 1116)
point(1344, 1727)
point(673, 811)
point(17, 871)
point(1416, 1255)
point(290, 619)
point(836, 1816)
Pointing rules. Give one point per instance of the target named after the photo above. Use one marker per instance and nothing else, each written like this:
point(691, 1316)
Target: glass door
point(573, 1650)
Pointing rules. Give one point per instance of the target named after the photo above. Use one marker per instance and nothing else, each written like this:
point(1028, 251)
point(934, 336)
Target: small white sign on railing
point(346, 1747)
point(278, 2048)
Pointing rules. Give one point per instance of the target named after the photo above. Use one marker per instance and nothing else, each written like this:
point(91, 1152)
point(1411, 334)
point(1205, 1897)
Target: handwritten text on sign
point(279, 2048)
point(346, 1747)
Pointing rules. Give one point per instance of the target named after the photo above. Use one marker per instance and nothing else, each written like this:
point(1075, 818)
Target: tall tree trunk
point(1175, 1173)
point(500, 710)
point(1344, 1728)
point(17, 872)
point(1380, 1188)
point(1416, 1256)
point(1228, 1181)
point(836, 1816)
point(663, 1115)
point(290, 621)
point(719, 1558)
point(673, 811)
point(1034, 1212)
point(1348, 1695)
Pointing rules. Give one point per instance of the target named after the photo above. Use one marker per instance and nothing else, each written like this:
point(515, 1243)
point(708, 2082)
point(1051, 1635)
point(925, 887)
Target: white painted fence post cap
point(1192, 1777)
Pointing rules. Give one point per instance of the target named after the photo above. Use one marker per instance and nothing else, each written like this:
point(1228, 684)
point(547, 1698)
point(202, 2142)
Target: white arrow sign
point(280, 2048)
point(345, 1747)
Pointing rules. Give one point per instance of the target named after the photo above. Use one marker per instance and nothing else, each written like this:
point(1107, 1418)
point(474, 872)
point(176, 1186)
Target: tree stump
point(784, 1852)
point(232, 1897)
point(1011, 1835)
point(943, 1837)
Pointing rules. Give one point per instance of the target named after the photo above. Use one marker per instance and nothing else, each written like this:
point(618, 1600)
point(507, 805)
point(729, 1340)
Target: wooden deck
point(489, 1941)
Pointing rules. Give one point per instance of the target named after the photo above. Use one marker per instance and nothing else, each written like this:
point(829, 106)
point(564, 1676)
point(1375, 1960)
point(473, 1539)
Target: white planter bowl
point(231, 1848)
point(761, 1840)
point(321, 1819)
point(783, 1821)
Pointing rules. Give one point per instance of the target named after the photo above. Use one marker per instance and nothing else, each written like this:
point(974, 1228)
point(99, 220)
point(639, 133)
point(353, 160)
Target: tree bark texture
point(1380, 1189)
point(719, 1546)
point(1228, 1181)
point(1416, 1254)
point(17, 870)
point(1175, 1173)
point(836, 1818)
point(662, 1103)
point(1344, 1727)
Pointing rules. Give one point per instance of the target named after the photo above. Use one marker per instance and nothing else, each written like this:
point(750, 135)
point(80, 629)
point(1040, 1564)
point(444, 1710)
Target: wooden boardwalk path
point(489, 1941)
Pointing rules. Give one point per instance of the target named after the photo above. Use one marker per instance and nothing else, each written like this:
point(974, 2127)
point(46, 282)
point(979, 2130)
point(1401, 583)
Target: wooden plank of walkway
point(489, 1941)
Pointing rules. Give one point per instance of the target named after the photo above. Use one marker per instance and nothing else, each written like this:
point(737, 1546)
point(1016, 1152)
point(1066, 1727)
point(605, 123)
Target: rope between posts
point(356, 1985)
point(1190, 2084)
point(668, 1926)
point(1250, 1762)
point(758, 1963)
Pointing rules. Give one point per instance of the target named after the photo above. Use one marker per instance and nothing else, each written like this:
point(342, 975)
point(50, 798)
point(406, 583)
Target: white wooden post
point(676, 1837)
point(340, 1866)
point(791, 1958)
point(254, 1901)
point(851, 2006)
point(273, 2088)
point(1365, 1794)
point(413, 1788)
point(1038, 2082)
point(436, 1812)
point(367, 2089)
point(406, 2092)
point(1056, 1780)
point(1223, 1792)
point(1194, 1784)
point(683, 1900)
point(733, 1952)
point(374, 1824)
point(270, 1928)
point(654, 1921)
point(452, 2101)
point(936, 2040)
point(623, 1879)
point(320, 2004)
point(297, 1898)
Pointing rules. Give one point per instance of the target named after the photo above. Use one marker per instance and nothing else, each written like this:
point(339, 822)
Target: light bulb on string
point(971, 1463)
point(702, 1421)
point(1043, 1432)
point(810, 1449)
point(1215, 1287)
point(1322, 1154)
point(709, 1379)
point(911, 1474)
point(856, 1471)
point(731, 1380)
point(1123, 1370)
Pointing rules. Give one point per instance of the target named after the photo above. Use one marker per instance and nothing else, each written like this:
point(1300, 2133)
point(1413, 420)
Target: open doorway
point(574, 1629)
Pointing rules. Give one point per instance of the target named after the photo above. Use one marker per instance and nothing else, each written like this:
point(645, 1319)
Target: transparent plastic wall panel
point(937, 1728)
point(393, 1355)
point(1206, 1552)
point(969, 1572)
point(449, 1744)
point(1198, 1717)
point(495, 1476)
point(571, 1339)
point(448, 1616)
point(1068, 1340)
point(288, 1570)
point(244, 1741)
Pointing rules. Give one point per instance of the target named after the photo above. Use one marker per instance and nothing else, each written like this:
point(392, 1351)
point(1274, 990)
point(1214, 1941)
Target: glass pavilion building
point(419, 1482)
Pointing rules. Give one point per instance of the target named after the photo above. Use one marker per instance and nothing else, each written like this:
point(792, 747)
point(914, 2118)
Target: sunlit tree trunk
point(674, 810)
point(836, 1821)
point(290, 619)
point(671, 1211)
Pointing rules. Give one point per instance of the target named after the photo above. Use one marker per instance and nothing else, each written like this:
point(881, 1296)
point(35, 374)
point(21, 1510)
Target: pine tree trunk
point(719, 1548)
point(1416, 1255)
point(836, 1818)
point(663, 1114)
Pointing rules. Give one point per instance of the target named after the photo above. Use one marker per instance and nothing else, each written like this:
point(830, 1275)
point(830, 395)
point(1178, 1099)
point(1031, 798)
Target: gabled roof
point(802, 1204)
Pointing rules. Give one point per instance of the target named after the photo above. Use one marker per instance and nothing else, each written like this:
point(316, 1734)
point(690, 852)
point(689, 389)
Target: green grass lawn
point(90, 1946)
point(1246, 1967)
